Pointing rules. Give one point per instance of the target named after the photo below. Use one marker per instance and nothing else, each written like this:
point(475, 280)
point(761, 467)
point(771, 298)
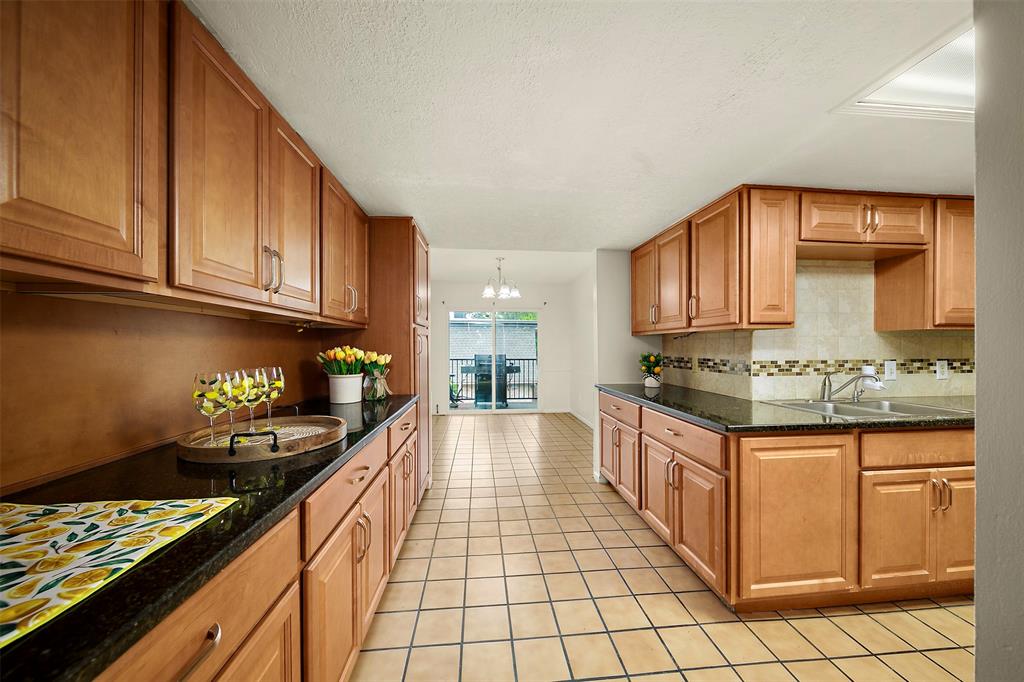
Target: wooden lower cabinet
point(627, 459)
point(413, 491)
point(797, 515)
point(698, 519)
point(330, 603)
point(655, 488)
point(273, 652)
point(398, 470)
point(421, 446)
point(917, 526)
point(375, 566)
point(607, 446)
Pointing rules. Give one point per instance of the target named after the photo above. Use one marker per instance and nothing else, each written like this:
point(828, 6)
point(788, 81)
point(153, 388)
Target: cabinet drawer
point(917, 448)
point(626, 412)
point(696, 443)
point(236, 599)
point(400, 430)
point(322, 510)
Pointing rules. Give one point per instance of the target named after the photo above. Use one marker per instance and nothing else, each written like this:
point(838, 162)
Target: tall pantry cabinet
point(399, 314)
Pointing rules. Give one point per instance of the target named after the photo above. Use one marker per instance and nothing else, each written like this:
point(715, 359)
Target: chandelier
point(505, 289)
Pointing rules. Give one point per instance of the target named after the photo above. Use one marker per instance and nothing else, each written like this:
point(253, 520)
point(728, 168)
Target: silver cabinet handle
point(668, 465)
point(362, 540)
point(267, 251)
point(672, 433)
point(280, 272)
point(691, 307)
point(938, 493)
point(657, 310)
point(211, 642)
point(352, 307)
point(615, 407)
point(867, 220)
point(949, 494)
point(355, 305)
point(369, 533)
point(875, 222)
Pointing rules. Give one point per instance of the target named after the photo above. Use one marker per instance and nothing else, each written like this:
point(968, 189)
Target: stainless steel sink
point(869, 409)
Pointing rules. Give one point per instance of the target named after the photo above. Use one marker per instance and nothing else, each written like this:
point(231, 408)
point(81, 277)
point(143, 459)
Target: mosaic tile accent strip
point(799, 368)
point(678, 362)
point(723, 366)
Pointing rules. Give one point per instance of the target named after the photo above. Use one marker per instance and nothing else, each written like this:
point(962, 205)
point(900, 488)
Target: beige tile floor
point(519, 566)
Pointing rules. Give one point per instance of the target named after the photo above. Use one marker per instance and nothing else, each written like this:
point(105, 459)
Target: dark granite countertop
point(81, 642)
point(727, 414)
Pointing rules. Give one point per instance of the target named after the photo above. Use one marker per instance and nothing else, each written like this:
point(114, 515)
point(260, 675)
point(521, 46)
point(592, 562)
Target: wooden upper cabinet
point(273, 652)
point(345, 254)
point(644, 288)
point(859, 218)
point(797, 493)
point(899, 220)
point(294, 224)
point(698, 519)
point(953, 263)
point(422, 279)
point(829, 217)
point(220, 131)
point(332, 620)
point(772, 283)
point(672, 275)
point(655, 488)
point(80, 134)
point(627, 454)
point(357, 265)
point(898, 511)
point(954, 533)
point(715, 264)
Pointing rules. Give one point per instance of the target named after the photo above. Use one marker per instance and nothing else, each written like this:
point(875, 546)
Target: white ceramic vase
point(652, 382)
point(346, 388)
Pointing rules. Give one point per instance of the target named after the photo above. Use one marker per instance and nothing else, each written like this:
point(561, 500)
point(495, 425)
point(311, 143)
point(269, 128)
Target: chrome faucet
point(827, 392)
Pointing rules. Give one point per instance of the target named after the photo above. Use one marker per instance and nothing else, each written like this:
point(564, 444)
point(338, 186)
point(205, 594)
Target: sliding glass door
point(492, 360)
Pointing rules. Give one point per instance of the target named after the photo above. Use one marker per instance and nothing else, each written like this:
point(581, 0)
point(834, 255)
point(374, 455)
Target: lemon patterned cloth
point(54, 556)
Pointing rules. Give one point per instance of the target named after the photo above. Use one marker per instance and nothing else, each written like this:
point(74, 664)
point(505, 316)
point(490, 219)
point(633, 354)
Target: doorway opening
point(492, 360)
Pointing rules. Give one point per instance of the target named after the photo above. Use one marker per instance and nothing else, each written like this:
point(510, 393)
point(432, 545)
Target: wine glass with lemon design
point(208, 396)
point(233, 390)
point(275, 388)
point(254, 386)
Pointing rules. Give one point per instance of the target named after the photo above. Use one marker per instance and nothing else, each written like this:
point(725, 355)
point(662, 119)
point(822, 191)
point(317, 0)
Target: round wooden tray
point(295, 435)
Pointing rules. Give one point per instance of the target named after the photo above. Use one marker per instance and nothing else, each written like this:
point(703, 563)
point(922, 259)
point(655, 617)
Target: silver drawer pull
point(672, 433)
point(359, 479)
point(210, 643)
point(406, 426)
point(949, 494)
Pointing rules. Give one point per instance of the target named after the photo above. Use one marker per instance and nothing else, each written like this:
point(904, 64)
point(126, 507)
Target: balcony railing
point(520, 377)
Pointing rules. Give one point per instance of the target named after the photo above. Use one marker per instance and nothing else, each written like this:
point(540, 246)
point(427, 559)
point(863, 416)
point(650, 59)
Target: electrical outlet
point(942, 369)
point(890, 370)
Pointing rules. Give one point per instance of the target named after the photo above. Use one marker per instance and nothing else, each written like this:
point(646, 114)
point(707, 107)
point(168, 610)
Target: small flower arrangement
point(342, 361)
point(377, 368)
point(650, 366)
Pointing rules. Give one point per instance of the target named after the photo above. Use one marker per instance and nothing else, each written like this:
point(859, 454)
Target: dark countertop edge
point(119, 641)
point(887, 424)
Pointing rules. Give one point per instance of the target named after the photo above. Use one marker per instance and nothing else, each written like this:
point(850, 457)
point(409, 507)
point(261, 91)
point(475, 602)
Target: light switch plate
point(941, 369)
point(890, 370)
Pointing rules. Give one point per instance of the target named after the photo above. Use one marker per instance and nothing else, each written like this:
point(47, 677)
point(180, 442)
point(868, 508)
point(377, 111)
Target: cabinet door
point(607, 442)
point(330, 603)
point(220, 138)
point(828, 217)
point(655, 489)
point(698, 519)
point(899, 220)
point(672, 256)
point(715, 264)
point(337, 298)
point(422, 282)
point(954, 537)
point(413, 447)
point(398, 502)
point(773, 224)
point(357, 265)
point(627, 458)
point(294, 225)
point(798, 515)
point(644, 288)
point(375, 566)
point(79, 134)
point(898, 512)
point(273, 652)
point(423, 412)
point(953, 263)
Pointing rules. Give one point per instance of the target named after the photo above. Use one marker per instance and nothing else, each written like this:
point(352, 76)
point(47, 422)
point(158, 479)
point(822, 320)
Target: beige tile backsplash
point(834, 329)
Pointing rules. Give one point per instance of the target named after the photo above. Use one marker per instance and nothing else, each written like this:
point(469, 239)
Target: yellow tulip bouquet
point(377, 366)
point(342, 361)
point(650, 366)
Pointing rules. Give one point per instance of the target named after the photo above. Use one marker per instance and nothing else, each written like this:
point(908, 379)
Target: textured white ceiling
point(573, 126)
point(522, 267)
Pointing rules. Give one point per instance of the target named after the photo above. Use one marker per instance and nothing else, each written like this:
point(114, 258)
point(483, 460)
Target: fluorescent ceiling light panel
point(939, 86)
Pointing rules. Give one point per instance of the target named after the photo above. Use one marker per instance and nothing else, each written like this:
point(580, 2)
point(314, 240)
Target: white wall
point(555, 340)
point(583, 302)
point(999, 210)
